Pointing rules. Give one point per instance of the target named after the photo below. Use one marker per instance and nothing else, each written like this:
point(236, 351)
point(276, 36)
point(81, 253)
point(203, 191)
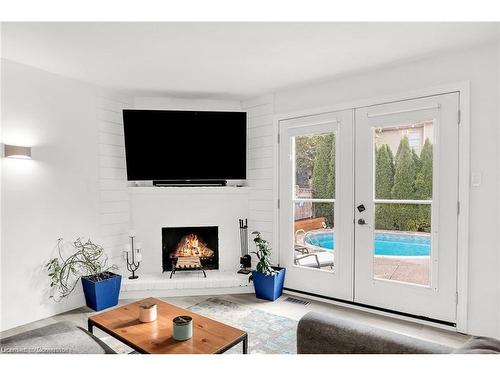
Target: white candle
point(127, 248)
point(138, 257)
point(138, 246)
point(131, 233)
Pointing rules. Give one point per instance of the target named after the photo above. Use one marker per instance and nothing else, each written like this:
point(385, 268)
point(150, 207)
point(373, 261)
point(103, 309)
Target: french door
point(368, 205)
point(316, 203)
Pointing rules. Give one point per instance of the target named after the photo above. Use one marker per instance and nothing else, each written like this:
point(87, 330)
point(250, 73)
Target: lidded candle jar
point(148, 312)
point(182, 328)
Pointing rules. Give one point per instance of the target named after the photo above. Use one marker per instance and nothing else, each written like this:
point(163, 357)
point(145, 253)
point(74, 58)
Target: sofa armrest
point(322, 334)
point(479, 345)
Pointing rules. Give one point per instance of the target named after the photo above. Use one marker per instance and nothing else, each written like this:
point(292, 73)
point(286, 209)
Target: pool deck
point(414, 270)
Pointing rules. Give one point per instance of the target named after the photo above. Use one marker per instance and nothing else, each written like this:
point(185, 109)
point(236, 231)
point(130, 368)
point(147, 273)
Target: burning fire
point(190, 245)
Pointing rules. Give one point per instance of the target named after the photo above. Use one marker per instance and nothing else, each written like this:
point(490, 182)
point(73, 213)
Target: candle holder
point(133, 263)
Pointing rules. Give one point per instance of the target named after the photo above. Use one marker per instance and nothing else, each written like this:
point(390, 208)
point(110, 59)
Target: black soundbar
point(190, 183)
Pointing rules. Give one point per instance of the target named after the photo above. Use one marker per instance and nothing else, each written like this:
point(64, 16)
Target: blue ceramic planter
point(101, 294)
point(269, 287)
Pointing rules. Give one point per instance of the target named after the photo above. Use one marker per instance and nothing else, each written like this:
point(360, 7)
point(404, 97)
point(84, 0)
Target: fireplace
point(202, 242)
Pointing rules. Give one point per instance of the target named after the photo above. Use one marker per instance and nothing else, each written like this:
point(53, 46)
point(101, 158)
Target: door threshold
point(450, 326)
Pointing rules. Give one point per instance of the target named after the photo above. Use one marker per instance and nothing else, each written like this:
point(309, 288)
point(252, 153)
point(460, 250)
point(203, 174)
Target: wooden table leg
point(90, 326)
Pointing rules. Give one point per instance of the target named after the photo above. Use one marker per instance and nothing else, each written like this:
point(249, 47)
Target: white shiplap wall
point(261, 167)
point(114, 198)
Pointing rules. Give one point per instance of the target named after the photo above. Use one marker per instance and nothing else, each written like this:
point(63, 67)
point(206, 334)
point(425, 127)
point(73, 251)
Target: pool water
point(385, 243)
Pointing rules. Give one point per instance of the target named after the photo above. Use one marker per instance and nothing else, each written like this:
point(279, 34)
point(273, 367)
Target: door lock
point(361, 222)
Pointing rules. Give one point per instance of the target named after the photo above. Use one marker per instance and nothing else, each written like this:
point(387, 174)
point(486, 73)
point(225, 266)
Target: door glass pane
point(402, 243)
point(403, 161)
point(315, 166)
point(314, 240)
point(403, 172)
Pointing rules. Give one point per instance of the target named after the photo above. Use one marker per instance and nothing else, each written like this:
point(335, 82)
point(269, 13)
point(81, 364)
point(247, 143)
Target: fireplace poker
point(245, 259)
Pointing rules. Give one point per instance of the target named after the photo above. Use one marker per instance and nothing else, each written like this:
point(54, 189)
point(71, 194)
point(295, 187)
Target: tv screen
point(185, 145)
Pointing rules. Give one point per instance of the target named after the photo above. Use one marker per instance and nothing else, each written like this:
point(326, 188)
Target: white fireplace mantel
point(189, 190)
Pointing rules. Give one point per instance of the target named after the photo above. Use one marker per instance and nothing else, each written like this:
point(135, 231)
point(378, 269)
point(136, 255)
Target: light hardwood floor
point(278, 307)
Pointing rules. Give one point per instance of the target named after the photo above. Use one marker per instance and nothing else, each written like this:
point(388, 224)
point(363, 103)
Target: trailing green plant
point(264, 255)
point(64, 272)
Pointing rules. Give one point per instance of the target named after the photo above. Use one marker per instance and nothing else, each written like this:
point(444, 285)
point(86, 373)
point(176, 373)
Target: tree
point(384, 172)
point(391, 157)
point(423, 181)
point(323, 176)
point(305, 154)
point(423, 186)
point(398, 152)
point(384, 181)
point(404, 175)
point(410, 178)
point(405, 215)
point(416, 160)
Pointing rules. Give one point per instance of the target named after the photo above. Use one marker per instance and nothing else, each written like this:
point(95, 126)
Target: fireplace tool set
point(134, 261)
point(245, 259)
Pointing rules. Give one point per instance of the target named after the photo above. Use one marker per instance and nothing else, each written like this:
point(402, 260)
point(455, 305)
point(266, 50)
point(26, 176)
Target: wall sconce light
point(19, 152)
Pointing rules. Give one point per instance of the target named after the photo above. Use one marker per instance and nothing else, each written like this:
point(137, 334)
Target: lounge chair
point(300, 245)
point(315, 260)
point(304, 257)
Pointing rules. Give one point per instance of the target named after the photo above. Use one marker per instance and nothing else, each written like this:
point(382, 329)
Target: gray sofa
point(322, 334)
point(57, 338)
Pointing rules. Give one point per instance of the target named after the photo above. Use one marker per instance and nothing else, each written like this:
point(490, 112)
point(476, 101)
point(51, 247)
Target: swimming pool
point(385, 243)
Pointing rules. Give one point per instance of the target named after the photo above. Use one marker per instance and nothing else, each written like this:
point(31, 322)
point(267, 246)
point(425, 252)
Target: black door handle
point(361, 222)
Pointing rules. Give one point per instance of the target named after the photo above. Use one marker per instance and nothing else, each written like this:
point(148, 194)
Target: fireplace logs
point(186, 263)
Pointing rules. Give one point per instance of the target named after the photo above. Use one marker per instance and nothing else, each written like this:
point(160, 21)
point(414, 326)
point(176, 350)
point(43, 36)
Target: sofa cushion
point(479, 345)
point(61, 337)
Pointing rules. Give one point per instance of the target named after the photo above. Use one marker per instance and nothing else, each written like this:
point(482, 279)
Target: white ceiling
point(226, 60)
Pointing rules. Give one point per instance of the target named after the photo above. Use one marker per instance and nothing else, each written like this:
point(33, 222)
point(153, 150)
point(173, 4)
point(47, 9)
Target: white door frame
point(463, 88)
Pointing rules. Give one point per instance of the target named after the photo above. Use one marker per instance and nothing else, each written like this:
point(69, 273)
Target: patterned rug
point(267, 333)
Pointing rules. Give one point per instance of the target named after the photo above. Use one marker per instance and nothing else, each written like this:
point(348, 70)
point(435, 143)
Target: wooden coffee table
point(209, 336)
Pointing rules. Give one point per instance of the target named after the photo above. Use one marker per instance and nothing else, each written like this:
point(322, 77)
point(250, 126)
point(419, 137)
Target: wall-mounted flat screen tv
point(185, 145)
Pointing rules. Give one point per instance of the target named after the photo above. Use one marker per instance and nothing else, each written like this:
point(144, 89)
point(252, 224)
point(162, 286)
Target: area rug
point(267, 333)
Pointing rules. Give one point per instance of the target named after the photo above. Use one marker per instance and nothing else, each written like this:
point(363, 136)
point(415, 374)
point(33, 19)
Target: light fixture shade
point(20, 152)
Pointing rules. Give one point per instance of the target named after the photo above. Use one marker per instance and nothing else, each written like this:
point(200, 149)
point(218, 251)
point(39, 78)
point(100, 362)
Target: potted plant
point(267, 279)
point(88, 262)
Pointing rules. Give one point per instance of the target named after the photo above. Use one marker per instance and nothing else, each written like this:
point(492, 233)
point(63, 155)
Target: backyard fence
point(303, 210)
